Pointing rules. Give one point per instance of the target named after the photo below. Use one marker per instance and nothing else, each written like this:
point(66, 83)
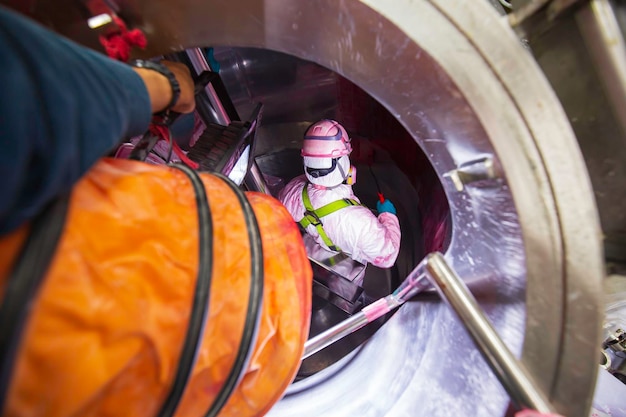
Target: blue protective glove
point(385, 207)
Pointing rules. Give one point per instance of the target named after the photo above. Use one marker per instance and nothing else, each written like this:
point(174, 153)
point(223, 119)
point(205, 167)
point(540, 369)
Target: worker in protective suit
point(323, 203)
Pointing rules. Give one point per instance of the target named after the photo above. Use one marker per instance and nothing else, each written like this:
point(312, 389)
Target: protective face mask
point(332, 179)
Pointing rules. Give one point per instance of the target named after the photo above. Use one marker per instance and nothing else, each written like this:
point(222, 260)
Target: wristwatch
point(161, 69)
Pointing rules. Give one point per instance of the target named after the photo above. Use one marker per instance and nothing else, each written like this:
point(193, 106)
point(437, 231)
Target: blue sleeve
point(62, 106)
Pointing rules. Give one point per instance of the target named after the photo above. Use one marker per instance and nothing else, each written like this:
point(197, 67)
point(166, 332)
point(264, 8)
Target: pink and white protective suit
point(328, 177)
point(354, 229)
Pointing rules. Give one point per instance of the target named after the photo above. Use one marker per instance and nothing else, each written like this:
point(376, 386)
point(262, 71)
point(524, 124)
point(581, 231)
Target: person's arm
point(376, 240)
point(63, 106)
point(380, 240)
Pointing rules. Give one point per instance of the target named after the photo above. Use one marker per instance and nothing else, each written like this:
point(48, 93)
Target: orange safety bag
point(165, 292)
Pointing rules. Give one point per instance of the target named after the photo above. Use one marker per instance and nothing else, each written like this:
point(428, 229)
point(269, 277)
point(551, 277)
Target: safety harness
point(313, 216)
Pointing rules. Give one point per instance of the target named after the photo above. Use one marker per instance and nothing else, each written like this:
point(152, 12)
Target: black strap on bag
point(24, 282)
point(200, 307)
point(255, 302)
point(34, 260)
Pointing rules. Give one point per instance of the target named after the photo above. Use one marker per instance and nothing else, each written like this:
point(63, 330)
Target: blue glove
point(385, 207)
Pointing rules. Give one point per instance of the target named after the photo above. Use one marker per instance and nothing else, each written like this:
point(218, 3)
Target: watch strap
point(165, 71)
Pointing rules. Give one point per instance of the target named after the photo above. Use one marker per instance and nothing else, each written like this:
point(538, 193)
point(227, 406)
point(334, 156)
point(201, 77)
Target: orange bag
point(120, 324)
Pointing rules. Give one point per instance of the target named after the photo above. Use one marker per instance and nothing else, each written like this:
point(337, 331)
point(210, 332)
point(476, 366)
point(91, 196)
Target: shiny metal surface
point(473, 171)
point(528, 244)
point(329, 310)
point(413, 284)
point(459, 81)
point(200, 64)
point(337, 332)
point(337, 262)
point(513, 375)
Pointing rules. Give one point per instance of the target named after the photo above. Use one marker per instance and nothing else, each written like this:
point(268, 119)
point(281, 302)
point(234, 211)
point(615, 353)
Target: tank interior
point(453, 121)
point(294, 93)
point(285, 94)
point(424, 132)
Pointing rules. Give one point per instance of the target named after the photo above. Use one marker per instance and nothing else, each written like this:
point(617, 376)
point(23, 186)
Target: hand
point(385, 207)
point(187, 101)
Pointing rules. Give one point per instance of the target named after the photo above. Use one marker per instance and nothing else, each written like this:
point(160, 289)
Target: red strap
point(161, 131)
point(118, 43)
point(183, 157)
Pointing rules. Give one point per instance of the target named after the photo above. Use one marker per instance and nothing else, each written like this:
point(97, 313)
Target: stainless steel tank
point(459, 80)
point(525, 230)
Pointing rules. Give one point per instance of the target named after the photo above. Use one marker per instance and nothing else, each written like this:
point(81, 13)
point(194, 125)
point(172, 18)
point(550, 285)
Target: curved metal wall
point(527, 240)
point(461, 83)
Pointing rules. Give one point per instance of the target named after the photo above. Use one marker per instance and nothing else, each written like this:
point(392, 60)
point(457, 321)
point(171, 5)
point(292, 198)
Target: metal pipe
point(512, 374)
point(435, 271)
point(200, 64)
point(330, 336)
point(602, 34)
point(414, 283)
